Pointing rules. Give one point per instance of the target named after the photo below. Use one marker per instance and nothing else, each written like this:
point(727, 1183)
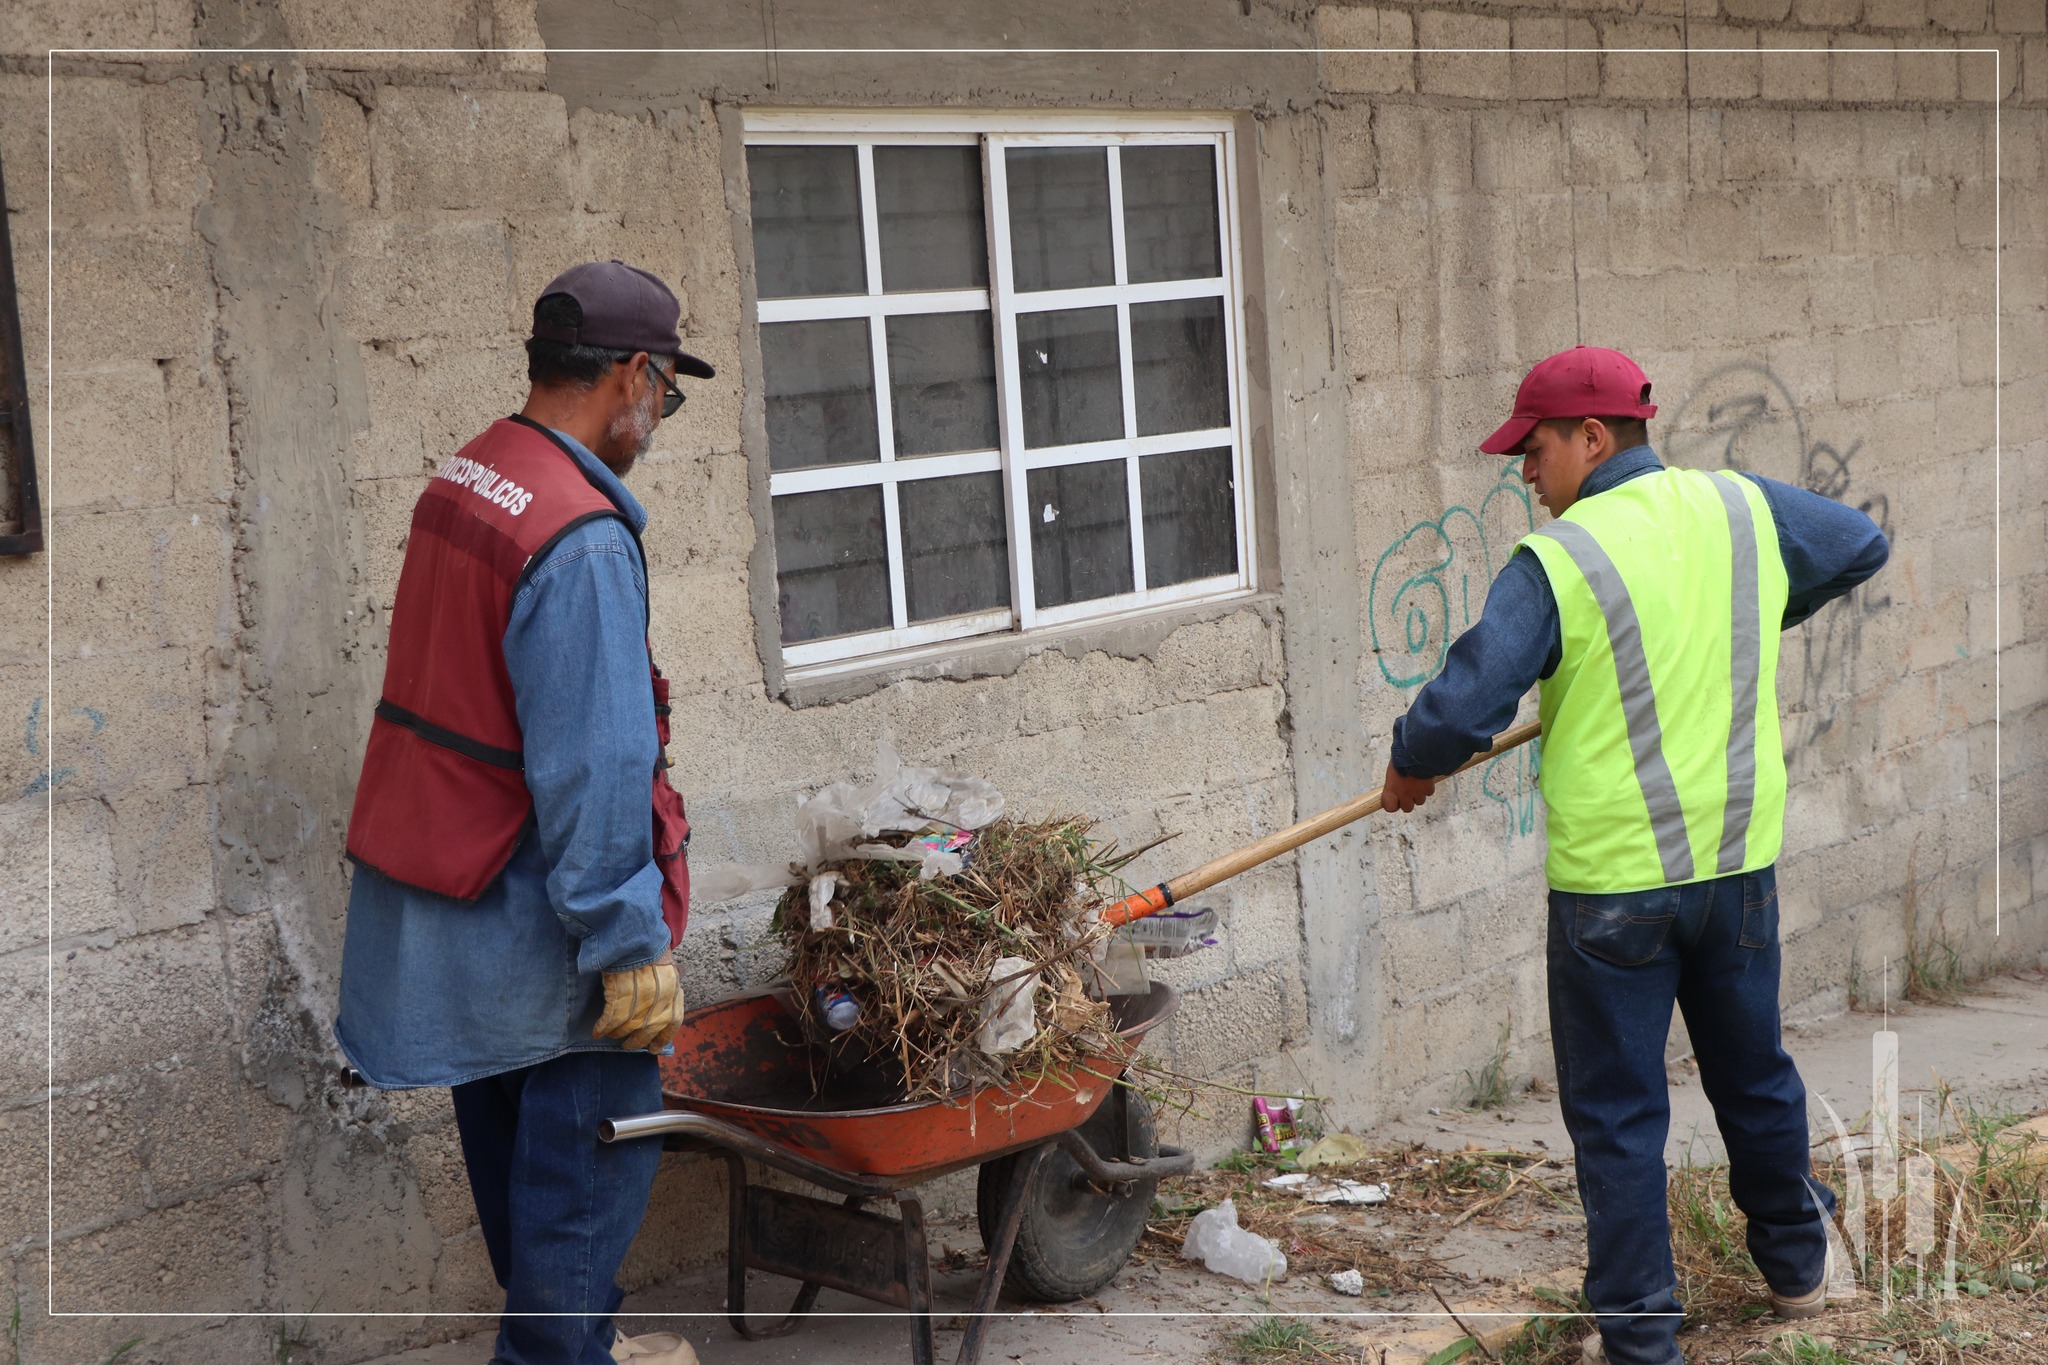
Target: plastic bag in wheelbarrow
point(841, 821)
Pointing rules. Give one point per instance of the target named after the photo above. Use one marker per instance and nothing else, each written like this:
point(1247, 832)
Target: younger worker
point(516, 901)
point(1644, 613)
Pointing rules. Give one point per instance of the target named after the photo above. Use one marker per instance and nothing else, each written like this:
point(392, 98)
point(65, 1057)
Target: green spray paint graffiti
point(1431, 584)
point(1510, 782)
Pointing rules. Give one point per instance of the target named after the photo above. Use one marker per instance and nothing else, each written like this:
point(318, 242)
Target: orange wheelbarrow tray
point(1068, 1161)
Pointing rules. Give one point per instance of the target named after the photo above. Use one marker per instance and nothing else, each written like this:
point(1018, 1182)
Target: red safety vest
point(443, 802)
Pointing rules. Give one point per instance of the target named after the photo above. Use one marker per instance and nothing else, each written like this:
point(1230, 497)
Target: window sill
point(1130, 635)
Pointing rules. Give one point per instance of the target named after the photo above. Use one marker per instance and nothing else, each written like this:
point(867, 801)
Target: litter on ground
point(1317, 1190)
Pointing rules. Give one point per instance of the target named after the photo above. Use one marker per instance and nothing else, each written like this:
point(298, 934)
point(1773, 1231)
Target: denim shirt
point(438, 993)
point(1827, 548)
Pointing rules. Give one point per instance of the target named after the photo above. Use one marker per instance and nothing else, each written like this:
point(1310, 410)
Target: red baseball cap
point(1586, 381)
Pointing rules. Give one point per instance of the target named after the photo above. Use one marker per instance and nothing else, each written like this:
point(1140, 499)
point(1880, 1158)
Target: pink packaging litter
point(1279, 1123)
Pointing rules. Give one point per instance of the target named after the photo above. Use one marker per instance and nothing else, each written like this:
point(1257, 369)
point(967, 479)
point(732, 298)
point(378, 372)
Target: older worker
point(521, 876)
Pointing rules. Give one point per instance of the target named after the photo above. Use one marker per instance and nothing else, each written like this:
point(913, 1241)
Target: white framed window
point(1001, 362)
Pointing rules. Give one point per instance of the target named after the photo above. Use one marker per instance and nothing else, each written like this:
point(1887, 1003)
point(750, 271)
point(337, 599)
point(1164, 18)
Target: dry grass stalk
point(918, 957)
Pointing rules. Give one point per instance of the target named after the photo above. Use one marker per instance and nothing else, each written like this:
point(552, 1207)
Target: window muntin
point(1026, 409)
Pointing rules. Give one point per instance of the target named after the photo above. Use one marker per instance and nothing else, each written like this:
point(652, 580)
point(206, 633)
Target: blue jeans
point(1616, 964)
point(558, 1207)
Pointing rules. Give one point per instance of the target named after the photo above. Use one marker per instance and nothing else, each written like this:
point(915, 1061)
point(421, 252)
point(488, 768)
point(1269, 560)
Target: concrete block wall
point(1799, 249)
point(230, 483)
point(199, 1154)
point(219, 627)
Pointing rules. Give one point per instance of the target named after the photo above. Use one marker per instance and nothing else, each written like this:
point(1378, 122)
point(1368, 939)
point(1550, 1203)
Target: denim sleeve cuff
point(622, 947)
point(1398, 755)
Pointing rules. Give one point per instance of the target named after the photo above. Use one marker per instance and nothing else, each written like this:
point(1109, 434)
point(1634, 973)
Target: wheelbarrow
point(1068, 1165)
point(1067, 1169)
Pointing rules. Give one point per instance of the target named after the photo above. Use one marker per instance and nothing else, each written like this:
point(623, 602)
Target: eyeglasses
point(671, 400)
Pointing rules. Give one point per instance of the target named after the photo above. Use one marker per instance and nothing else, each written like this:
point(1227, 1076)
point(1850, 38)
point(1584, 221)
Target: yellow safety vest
point(1662, 762)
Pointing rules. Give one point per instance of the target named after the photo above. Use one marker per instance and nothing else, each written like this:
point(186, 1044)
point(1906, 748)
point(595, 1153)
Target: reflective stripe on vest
point(1638, 698)
point(1661, 761)
point(1744, 663)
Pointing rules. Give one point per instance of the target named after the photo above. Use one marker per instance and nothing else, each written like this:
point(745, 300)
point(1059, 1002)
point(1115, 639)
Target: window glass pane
point(831, 563)
point(1059, 217)
point(1170, 214)
point(1070, 377)
point(928, 212)
point(1080, 532)
point(956, 555)
point(821, 393)
point(942, 382)
point(1190, 516)
point(806, 206)
point(1177, 371)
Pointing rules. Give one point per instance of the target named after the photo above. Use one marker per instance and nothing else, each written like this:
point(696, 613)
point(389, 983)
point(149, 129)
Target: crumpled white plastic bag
point(1009, 1017)
point(1215, 1239)
point(841, 821)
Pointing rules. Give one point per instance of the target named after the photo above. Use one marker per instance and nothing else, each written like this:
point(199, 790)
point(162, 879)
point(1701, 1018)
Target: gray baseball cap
point(625, 308)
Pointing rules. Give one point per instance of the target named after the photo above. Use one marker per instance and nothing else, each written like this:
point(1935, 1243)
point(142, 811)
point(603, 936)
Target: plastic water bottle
point(840, 1010)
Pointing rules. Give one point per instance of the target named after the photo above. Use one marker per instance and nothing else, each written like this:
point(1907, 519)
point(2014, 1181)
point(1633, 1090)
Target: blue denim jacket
point(1827, 548)
point(436, 993)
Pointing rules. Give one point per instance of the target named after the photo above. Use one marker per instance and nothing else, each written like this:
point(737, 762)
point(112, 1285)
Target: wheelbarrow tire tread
point(1071, 1242)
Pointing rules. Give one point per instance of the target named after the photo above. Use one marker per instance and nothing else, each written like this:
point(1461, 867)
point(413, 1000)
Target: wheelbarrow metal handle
point(1169, 1161)
point(732, 1138)
point(1139, 904)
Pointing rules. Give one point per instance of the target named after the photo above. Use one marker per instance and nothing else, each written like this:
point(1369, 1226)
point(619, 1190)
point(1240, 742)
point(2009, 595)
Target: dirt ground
point(1480, 1237)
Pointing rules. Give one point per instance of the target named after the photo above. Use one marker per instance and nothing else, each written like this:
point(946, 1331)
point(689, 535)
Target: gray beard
point(632, 429)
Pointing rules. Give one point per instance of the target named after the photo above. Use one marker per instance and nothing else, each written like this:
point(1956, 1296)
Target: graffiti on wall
point(1430, 584)
point(1428, 587)
point(1744, 417)
point(35, 737)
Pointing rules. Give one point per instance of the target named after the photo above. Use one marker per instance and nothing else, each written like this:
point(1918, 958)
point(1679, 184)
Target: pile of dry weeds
point(919, 956)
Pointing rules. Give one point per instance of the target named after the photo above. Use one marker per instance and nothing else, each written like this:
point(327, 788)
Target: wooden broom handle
point(1139, 904)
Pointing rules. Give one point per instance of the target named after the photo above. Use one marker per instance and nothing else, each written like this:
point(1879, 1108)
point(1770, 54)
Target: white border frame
point(1998, 247)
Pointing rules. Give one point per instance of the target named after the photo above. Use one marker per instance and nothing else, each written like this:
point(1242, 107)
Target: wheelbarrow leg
point(736, 1262)
point(917, 1278)
point(999, 1254)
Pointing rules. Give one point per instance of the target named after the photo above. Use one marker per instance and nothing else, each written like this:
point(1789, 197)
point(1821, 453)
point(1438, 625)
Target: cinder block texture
point(1339, 28)
point(139, 294)
point(387, 35)
point(34, 27)
point(1474, 67)
point(492, 150)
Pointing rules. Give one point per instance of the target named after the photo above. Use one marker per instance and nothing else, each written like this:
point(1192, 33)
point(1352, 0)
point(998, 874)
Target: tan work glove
point(642, 1005)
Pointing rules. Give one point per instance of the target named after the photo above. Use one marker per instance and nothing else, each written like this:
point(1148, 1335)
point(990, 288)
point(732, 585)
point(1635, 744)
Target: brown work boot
point(1794, 1306)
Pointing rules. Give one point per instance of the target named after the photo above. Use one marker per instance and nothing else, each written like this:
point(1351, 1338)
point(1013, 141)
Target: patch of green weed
point(1550, 1340)
point(1489, 1089)
point(1934, 972)
point(1797, 1348)
point(1272, 1339)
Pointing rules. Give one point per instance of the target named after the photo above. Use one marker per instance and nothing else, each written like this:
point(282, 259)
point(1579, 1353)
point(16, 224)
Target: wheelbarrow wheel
point(1075, 1235)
